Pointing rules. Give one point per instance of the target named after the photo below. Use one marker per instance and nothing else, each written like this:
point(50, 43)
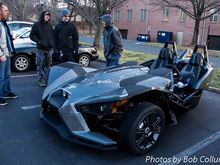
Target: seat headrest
point(196, 59)
point(165, 53)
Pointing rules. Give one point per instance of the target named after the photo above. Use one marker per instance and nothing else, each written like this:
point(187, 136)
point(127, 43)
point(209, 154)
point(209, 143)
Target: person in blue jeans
point(43, 34)
point(112, 41)
point(6, 49)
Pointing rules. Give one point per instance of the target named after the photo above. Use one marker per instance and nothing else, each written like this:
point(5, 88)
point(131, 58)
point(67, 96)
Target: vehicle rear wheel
point(21, 63)
point(142, 128)
point(84, 60)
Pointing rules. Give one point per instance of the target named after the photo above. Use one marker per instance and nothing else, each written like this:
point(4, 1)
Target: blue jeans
point(43, 62)
point(5, 73)
point(112, 60)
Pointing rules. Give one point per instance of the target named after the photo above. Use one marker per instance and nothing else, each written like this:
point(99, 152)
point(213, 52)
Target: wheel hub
point(21, 63)
point(147, 130)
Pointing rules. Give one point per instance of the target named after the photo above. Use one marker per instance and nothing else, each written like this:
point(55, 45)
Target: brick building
point(138, 16)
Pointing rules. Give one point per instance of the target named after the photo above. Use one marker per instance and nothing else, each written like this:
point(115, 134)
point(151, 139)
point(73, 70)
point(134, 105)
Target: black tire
point(142, 128)
point(84, 60)
point(21, 63)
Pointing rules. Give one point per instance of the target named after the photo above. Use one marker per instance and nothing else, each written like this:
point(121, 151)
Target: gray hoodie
point(3, 41)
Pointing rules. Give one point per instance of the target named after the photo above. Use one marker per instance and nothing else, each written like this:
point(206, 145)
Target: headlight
point(65, 93)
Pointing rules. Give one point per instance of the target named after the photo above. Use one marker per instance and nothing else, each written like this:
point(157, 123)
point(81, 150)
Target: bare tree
point(22, 10)
point(198, 10)
point(91, 10)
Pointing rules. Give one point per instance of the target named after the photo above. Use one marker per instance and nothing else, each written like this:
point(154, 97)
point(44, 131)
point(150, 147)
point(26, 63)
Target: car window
point(20, 31)
point(26, 35)
point(25, 25)
point(14, 26)
point(17, 25)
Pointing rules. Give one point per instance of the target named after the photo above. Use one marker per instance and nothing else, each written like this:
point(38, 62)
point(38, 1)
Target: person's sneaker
point(3, 101)
point(42, 83)
point(10, 95)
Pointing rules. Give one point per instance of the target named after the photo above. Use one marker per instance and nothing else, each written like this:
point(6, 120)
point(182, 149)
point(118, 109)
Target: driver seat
point(164, 58)
point(191, 72)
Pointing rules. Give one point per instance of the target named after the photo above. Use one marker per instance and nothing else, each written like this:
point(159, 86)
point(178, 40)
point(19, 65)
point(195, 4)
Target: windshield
point(22, 30)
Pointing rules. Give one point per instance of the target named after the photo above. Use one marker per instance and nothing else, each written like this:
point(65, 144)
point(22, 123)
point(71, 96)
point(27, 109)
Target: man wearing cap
point(43, 34)
point(112, 40)
point(66, 38)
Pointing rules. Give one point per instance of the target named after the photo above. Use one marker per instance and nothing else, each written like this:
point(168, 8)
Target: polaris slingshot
point(128, 105)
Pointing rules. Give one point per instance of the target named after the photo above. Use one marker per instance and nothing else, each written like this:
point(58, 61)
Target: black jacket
point(66, 38)
point(42, 33)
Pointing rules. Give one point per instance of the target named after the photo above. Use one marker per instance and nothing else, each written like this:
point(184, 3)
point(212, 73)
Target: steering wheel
point(175, 73)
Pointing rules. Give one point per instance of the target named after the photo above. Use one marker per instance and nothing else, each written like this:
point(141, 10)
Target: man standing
point(43, 34)
point(112, 40)
point(6, 49)
point(66, 39)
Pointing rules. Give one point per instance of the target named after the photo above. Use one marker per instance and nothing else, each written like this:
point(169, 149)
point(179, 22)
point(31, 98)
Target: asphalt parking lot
point(27, 140)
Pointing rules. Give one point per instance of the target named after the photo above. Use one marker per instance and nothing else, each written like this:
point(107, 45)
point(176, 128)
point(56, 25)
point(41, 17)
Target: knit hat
point(65, 12)
point(107, 18)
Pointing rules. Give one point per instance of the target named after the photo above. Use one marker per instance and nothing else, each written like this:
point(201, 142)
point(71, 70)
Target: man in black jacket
point(43, 34)
point(66, 38)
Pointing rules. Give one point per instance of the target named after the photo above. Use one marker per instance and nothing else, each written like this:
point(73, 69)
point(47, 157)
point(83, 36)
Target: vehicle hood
point(111, 83)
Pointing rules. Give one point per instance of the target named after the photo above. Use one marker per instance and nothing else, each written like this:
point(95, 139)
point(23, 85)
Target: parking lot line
point(31, 107)
point(195, 148)
point(26, 75)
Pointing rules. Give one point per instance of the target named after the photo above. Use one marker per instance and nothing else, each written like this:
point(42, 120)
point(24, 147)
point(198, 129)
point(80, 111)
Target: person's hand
point(75, 53)
point(3, 58)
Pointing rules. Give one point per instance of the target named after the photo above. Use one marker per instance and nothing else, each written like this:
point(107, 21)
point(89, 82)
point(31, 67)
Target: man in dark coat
point(43, 34)
point(112, 40)
point(66, 39)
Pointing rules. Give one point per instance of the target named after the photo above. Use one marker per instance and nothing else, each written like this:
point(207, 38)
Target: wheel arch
point(31, 56)
point(85, 53)
point(158, 98)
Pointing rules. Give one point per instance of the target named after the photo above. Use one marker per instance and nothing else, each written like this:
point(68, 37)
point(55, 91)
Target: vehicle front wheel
point(84, 60)
point(21, 63)
point(142, 128)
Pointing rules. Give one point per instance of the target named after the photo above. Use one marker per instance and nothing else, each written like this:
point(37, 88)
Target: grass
point(128, 55)
point(216, 78)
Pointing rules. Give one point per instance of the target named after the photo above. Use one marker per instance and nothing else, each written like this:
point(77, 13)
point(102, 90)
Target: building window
point(143, 15)
point(214, 17)
point(117, 15)
point(165, 14)
point(181, 16)
point(129, 15)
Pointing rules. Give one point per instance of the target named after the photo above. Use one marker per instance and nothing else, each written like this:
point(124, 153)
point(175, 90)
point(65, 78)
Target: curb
point(212, 89)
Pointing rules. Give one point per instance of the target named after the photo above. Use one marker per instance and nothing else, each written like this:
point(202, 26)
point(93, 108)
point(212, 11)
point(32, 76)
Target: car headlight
point(65, 93)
